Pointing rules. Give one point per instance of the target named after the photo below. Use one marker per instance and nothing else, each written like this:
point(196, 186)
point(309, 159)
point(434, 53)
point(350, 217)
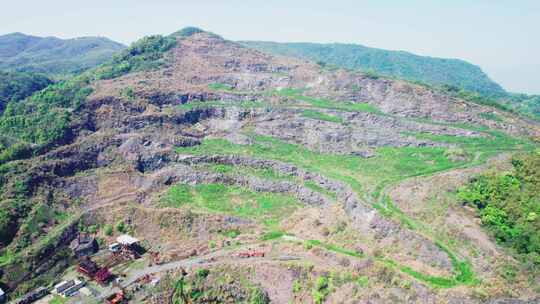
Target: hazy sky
point(501, 36)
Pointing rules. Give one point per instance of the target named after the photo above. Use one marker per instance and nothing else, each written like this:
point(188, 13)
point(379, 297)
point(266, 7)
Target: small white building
point(73, 289)
point(68, 288)
point(62, 286)
point(127, 240)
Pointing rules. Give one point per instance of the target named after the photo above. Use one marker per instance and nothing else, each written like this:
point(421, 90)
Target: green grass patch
point(218, 86)
point(272, 235)
point(321, 116)
point(490, 116)
point(315, 187)
point(387, 207)
point(464, 273)
point(265, 173)
point(374, 174)
point(178, 195)
point(464, 276)
point(490, 141)
point(221, 168)
point(334, 248)
point(58, 300)
point(245, 104)
point(434, 281)
point(267, 208)
point(7, 257)
point(323, 103)
point(389, 164)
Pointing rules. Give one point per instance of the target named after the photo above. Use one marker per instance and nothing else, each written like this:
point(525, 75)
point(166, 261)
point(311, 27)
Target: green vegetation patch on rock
point(146, 53)
point(389, 164)
point(508, 204)
point(265, 207)
point(221, 284)
point(323, 103)
point(321, 116)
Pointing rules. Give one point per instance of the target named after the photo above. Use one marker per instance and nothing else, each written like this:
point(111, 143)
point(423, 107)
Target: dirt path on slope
point(431, 200)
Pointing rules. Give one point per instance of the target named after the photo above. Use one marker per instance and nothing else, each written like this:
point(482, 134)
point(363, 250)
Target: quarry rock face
point(127, 152)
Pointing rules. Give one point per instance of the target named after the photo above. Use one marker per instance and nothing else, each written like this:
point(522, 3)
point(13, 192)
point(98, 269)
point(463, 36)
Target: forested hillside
point(17, 86)
point(400, 64)
point(54, 56)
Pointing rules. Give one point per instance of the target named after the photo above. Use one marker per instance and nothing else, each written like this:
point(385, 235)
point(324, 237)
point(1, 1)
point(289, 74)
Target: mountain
point(400, 64)
point(54, 56)
point(253, 178)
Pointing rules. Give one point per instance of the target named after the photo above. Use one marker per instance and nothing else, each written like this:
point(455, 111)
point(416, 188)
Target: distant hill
point(434, 71)
point(54, 56)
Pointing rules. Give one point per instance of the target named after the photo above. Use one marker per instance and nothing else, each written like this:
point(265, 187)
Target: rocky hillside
point(400, 64)
point(54, 56)
point(206, 149)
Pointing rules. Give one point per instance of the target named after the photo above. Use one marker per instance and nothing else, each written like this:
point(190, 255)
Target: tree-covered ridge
point(16, 86)
point(434, 71)
point(509, 204)
point(529, 104)
point(54, 56)
point(146, 53)
point(44, 118)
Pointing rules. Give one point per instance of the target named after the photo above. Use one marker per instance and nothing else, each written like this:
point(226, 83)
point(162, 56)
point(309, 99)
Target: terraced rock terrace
point(222, 148)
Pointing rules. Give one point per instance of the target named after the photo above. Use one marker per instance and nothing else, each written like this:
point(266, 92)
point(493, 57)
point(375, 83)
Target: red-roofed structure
point(103, 275)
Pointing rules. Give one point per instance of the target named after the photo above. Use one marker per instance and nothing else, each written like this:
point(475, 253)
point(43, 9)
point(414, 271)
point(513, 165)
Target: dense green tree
point(509, 204)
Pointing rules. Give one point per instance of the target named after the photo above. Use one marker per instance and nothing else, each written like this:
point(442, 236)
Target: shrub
point(108, 229)
point(128, 93)
point(371, 74)
point(456, 154)
point(188, 31)
point(258, 296)
point(120, 226)
point(233, 233)
point(202, 273)
point(92, 229)
point(321, 290)
point(297, 286)
point(362, 281)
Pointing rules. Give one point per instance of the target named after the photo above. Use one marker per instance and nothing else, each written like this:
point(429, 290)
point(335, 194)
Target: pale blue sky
point(501, 36)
